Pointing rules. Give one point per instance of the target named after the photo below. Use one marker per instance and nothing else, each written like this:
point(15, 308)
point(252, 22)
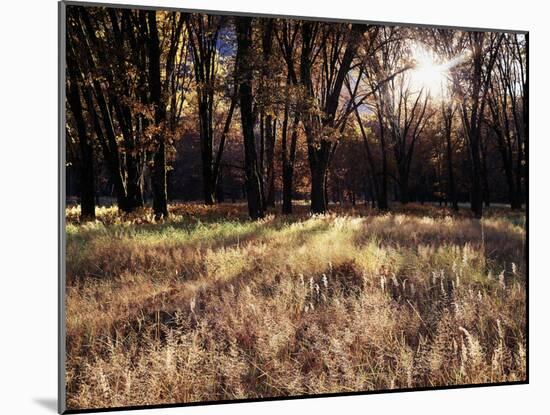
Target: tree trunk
point(318, 200)
point(110, 156)
point(270, 136)
point(86, 162)
point(473, 114)
point(133, 156)
point(383, 200)
point(476, 202)
point(450, 173)
point(134, 188)
point(485, 178)
point(403, 185)
point(512, 192)
point(253, 174)
point(203, 35)
point(288, 159)
point(160, 206)
point(451, 187)
point(516, 201)
point(217, 170)
point(262, 155)
point(287, 190)
point(206, 150)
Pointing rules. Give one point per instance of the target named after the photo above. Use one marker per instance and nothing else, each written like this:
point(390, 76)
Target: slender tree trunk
point(217, 171)
point(517, 196)
point(262, 155)
point(403, 185)
point(517, 200)
point(476, 201)
point(325, 186)
point(503, 140)
point(383, 201)
point(134, 188)
point(485, 178)
point(268, 121)
point(270, 137)
point(474, 137)
point(86, 162)
point(160, 206)
point(286, 166)
point(203, 36)
point(481, 80)
point(372, 188)
point(450, 173)
point(288, 157)
point(287, 190)
point(133, 156)
point(244, 64)
point(206, 153)
point(110, 156)
point(220, 195)
point(512, 192)
point(374, 185)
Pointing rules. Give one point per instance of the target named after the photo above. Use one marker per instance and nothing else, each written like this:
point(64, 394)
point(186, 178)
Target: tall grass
point(211, 306)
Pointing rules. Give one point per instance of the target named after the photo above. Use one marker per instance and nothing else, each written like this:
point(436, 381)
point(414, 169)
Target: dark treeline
point(182, 106)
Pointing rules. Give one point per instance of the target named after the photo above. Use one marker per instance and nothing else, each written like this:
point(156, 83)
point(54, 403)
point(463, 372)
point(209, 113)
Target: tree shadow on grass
point(502, 244)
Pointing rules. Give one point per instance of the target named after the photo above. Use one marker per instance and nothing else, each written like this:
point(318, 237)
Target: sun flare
point(428, 74)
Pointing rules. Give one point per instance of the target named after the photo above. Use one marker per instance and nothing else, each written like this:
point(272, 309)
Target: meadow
point(210, 305)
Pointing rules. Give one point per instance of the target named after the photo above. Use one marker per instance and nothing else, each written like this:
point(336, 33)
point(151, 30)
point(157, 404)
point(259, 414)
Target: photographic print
point(273, 207)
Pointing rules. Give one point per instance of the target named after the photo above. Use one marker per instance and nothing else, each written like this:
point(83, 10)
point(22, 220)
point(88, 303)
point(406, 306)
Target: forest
point(169, 106)
point(267, 207)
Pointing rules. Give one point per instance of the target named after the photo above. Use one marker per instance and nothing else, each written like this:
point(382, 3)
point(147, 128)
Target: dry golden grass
point(210, 306)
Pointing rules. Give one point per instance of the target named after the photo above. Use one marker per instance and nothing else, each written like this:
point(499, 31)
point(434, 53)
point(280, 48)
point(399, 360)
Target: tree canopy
point(167, 105)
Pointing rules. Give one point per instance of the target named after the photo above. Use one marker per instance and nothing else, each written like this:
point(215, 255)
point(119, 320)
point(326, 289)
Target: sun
point(428, 74)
